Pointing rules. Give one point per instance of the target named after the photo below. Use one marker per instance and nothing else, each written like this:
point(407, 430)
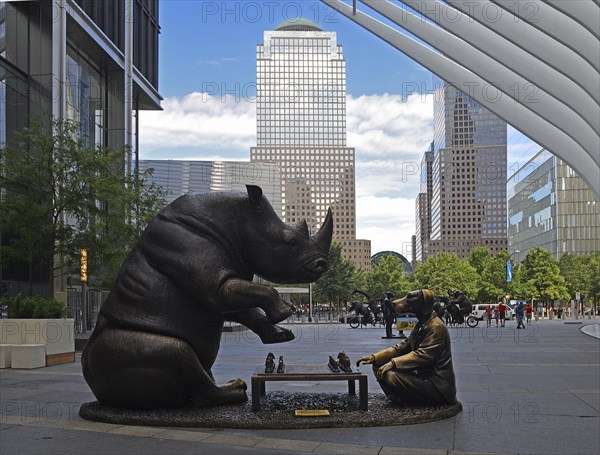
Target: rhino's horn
point(323, 237)
point(302, 227)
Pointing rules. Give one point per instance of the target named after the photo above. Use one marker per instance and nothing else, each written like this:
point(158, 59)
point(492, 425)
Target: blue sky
point(215, 41)
point(207, 75)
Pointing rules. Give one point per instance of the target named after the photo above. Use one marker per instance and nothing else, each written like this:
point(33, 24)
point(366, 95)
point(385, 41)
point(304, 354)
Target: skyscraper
point(301, 125)
point(423, 207)
point(468, 202)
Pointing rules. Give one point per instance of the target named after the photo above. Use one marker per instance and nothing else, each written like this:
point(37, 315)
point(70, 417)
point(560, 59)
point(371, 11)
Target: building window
point(86, 98)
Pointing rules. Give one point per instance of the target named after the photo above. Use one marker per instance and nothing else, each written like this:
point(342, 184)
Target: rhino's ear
point(255, 194)
point(302, 227)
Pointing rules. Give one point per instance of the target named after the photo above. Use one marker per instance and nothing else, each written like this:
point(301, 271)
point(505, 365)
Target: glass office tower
point(179, 177)
point(301, 124)
point(550, 206)
point(468, 203)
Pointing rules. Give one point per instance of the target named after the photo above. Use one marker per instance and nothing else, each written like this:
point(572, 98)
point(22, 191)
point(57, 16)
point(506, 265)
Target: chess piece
point(270, 363)
point(333, 364)
point(344, 362)
point(281, 366)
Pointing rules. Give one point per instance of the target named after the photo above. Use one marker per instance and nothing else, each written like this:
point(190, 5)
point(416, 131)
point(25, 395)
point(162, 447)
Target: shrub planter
point(57, 335)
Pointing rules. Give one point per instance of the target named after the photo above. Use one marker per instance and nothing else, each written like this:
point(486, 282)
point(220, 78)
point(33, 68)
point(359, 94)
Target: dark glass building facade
point(550, 206)
point(80, 60)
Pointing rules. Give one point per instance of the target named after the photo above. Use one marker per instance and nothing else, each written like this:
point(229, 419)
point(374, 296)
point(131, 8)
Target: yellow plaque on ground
point(311, 412)
point(405, 325)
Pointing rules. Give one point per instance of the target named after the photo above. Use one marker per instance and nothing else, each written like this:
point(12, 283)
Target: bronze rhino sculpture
point(158, 333)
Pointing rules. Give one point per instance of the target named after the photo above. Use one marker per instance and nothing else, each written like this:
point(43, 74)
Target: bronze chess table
point(309, 372)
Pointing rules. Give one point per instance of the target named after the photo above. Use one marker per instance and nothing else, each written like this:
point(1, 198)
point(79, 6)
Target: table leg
point(351, 387)
point(263, 389)
point(256, 387)
point(363, 393)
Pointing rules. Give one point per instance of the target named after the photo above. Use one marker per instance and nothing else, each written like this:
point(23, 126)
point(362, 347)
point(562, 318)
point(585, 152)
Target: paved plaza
point(533, 391)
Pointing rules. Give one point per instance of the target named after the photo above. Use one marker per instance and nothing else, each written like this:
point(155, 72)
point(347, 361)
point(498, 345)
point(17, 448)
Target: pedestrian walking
point(488, 315)
point(519, 312)
point(528, 312)
point(502, 313)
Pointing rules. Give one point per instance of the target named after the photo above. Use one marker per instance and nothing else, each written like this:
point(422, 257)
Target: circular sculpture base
point(277, 412)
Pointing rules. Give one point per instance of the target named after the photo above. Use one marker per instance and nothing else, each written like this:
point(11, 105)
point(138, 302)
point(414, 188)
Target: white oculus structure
point(540, 59)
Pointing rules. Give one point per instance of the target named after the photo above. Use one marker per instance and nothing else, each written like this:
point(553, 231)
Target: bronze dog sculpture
point(417, 371)
point(158, 333)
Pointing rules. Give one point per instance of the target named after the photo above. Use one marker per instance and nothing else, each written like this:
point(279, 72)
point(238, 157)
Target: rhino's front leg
point(237, 295)
point(255, 320)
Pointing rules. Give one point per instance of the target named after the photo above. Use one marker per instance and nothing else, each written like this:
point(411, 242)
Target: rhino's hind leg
point(140, 370)
point(256, 320)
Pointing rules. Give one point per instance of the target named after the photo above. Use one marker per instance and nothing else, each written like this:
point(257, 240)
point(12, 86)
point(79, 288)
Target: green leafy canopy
point(60, 195)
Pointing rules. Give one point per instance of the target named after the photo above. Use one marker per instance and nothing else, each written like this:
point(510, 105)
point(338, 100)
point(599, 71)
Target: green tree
point(336, 284)
point(576, 272)
point(59, 196)
point(593, 284)
point(520, 288)
point(387, 275)
point(582, 274)
point(444, 272)
point(494, 284)
point(542, 274)
point(480, 259)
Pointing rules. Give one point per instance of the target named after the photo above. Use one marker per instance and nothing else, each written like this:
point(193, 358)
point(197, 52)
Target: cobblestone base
point(277, 412)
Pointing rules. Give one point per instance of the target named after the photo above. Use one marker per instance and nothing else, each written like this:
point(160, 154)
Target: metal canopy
point(540, 59)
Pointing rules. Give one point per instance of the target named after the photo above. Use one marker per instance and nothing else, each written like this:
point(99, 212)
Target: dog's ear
point(413, 297)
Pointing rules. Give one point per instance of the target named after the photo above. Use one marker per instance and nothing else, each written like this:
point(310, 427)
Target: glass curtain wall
point(86, 98)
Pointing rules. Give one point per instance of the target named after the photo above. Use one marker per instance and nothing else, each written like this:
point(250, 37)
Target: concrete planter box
point(57, 335)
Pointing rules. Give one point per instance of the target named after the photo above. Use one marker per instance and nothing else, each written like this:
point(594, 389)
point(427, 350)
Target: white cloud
point(389, 135)
point(389, 222)
point(385, 126)
point(198, 121)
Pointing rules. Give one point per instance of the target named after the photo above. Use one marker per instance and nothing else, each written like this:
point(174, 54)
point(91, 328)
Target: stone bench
point(56, 336)
point(5, 350)
point(25, 356)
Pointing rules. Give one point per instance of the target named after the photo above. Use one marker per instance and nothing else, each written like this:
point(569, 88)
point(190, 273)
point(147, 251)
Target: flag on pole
point(508, 271)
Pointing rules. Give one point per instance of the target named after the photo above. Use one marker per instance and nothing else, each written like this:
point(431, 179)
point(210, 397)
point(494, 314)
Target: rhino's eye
point(289, 240)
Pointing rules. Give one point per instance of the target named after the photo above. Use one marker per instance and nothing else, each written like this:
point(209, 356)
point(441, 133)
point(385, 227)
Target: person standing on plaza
point(502, 313)
point(519, 311)
point(528, 312)
point(488, 316)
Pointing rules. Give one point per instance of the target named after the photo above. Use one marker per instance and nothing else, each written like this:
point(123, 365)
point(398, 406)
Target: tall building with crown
point(301, 125)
